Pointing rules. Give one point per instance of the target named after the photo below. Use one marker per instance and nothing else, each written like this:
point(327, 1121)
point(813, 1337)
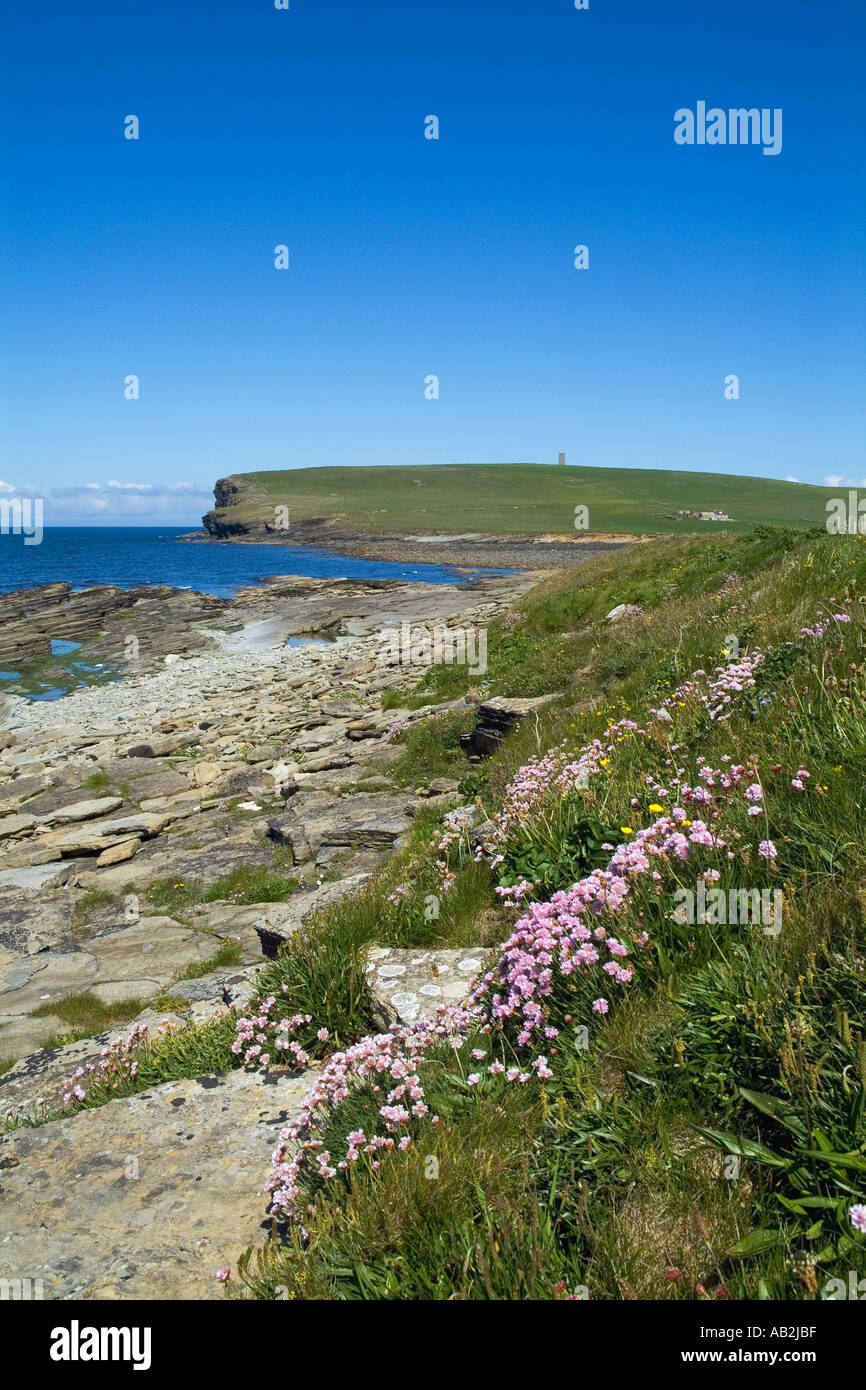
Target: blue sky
point(411, 257)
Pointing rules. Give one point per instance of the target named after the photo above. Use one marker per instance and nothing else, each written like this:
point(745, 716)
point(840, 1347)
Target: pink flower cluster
point(716, 693)
point(822, 624)
point(258, 1034)
point(118, 1064)
point(557, 939)
point(388, 1065)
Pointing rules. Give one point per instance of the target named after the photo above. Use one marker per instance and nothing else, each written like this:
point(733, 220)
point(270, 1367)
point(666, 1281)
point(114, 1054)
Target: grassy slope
point(525, 498)
point(602, 1178)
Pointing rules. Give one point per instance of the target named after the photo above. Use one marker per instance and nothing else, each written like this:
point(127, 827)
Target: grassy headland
point(512, 499)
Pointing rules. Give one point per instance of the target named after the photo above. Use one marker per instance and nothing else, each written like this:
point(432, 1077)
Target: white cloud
point(836, 480)
point(114, 499)
point(791, 479)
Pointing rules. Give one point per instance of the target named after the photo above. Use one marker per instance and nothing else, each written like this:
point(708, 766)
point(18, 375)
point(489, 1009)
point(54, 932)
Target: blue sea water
point(131, 555)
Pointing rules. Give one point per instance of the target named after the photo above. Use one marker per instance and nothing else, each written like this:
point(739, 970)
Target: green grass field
point(525, 499)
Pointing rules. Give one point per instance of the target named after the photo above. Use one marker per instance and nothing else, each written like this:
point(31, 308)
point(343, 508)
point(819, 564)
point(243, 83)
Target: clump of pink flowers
point(388, 1065)
point(259, 1033)
point(117, 1066)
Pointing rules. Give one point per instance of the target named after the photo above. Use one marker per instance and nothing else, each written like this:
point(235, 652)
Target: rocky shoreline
point(123, 633)
point(230, 754)
point(461, 552)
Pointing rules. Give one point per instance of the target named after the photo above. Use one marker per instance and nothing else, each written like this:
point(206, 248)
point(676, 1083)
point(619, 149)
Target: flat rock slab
point(34, 876)
point(16, 825)
point(30, 923)
point(409, 984)
point(146, 1197)
point(85, 810)
point(150, 952)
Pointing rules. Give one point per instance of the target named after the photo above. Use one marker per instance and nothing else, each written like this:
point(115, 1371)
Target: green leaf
point(746, 1148)
point(856, 1161)
point(755, 1243)
point(795, 1207)
point(818, 1203)
point(777, 1109)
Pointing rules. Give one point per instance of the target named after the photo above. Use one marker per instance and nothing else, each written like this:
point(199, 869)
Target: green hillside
point(523, 498)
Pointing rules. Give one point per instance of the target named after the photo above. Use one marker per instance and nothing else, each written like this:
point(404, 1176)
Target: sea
point(131, 555)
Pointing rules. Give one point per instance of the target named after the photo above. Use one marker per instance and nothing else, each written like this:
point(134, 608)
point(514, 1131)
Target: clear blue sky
point(411, 257)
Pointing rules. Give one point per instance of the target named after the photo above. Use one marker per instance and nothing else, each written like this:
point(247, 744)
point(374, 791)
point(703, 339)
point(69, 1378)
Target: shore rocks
point(236, 772)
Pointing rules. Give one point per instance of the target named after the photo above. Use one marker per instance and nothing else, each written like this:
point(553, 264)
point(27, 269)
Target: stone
point(407, 984)
point(319, 738)
point(146, 1196)
point(21, 1035)
point(287, 830)
point(31, 981)
point(463, 817)
point(29, 854)
point(31, 923)
point(361, 821)
point(85, 810)
point(205, 773)
point(440, 786)
point(16, 825)
point(165, 783)
point(154, 947)
point(284, 919)
point(496, 718)
point(327, 761)
point(120, 853)
point(35, 876)
point(118, 991)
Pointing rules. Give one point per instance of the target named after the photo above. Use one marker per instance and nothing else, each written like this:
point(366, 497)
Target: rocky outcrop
point(121, 808)
point(496, 719)
point(105, 617)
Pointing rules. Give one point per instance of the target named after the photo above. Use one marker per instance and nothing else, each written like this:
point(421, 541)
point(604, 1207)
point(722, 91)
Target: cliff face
point(228, 492)
point(228, 520)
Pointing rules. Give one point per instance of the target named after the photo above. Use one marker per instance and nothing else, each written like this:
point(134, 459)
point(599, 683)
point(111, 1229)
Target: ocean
point(131, 555)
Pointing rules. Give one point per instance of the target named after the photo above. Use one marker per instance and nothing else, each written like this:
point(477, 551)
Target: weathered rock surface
point(409, 984)
point(145, 1197)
